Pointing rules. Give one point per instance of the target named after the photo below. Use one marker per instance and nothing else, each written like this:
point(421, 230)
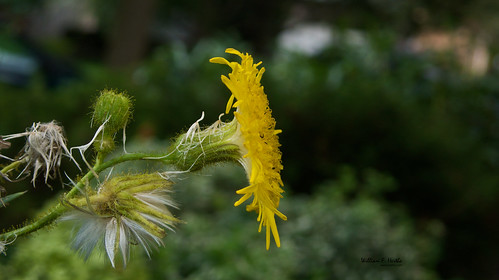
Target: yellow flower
point(257, 139)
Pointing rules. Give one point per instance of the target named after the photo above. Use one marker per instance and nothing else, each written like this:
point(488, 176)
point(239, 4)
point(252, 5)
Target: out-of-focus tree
point(129, 36)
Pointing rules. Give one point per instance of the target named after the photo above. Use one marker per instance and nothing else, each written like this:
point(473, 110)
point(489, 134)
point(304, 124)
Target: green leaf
point(9, 198)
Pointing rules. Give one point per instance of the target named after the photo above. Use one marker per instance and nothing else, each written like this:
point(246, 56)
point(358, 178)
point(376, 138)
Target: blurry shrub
point(176, 84)
point(332, 233)
point(370, 105)
point(415, 117)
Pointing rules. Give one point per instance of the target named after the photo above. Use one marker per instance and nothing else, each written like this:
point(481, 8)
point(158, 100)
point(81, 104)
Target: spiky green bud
point(113, 107)
point(115, 110)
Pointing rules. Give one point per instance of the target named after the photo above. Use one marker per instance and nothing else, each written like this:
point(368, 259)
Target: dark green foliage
point(420, 119)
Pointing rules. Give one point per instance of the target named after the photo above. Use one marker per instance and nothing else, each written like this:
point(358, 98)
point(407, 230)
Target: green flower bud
point(113, 107)
point(114, 110)
point(198, 147)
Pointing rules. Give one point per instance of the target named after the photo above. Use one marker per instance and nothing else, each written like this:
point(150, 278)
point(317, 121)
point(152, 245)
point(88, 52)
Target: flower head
point(131, 209)
point(44, 148)
point(257, 139)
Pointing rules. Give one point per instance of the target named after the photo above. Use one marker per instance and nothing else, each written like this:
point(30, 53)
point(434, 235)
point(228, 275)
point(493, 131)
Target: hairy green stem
point(60, 209)
point(188, 154)
point(13, 166)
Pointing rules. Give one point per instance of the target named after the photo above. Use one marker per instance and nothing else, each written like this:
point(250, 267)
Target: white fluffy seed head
point(128, 209)
point(43, 151)
point(45, 146)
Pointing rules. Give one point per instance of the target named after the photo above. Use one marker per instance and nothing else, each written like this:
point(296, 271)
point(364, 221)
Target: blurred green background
point(389, 111)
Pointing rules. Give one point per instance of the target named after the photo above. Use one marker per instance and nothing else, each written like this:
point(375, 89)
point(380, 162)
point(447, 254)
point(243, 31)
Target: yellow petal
point(234, 51)
point(237, 103)
point(229, 104)
point(243, 199)
point(219, 60)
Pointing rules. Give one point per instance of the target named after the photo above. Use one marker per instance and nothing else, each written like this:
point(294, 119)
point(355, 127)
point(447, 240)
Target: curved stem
point(190, 153)
point(47, 219)
point(60, 209)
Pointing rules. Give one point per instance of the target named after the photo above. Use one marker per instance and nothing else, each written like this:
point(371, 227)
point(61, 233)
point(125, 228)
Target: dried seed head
point(4, 144)
point(44, 148)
